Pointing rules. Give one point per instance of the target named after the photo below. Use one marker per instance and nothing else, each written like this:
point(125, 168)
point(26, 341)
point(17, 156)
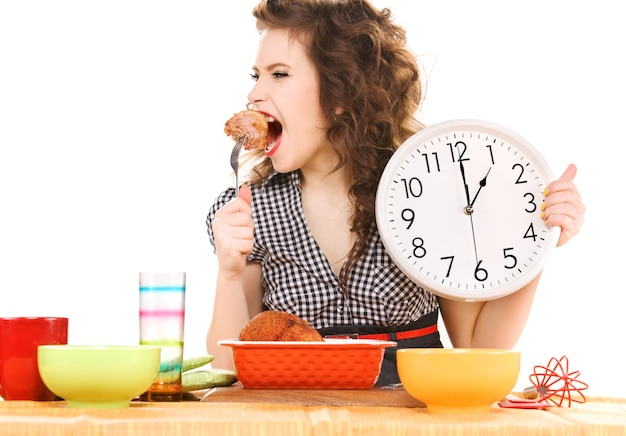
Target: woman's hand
point(563, 206)
point(233, 230)
point(238, 289)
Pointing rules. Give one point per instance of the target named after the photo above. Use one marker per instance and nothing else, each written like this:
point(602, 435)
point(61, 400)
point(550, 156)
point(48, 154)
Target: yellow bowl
point(458, 380)
point(106, 377)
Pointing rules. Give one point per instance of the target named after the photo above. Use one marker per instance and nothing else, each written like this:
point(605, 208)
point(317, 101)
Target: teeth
point(269, 147)
point(270, 119)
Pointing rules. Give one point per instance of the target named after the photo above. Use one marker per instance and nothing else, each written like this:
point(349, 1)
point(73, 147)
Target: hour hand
point(481, 185)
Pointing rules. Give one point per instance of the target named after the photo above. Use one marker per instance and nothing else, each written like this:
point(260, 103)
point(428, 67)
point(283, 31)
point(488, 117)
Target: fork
point(234, 162)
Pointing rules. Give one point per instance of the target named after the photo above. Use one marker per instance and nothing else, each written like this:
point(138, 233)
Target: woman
point(343, 89)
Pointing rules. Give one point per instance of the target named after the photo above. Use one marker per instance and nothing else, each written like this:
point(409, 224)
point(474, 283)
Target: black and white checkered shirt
point(298, 278)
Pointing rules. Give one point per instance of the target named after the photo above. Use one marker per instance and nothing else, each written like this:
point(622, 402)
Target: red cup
point(19, 339)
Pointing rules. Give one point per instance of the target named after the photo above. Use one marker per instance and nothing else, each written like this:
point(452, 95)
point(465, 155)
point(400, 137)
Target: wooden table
point(292, 412)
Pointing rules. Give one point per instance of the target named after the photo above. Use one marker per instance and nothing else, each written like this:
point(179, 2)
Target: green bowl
point(106, 377)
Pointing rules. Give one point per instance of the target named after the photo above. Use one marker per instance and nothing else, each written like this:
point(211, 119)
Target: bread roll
point(272, 325)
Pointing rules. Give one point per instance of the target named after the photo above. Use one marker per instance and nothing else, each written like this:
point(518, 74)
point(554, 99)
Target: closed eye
point(276, 75)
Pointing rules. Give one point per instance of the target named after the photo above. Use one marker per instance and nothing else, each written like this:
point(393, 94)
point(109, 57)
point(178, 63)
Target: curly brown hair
point(365, 68)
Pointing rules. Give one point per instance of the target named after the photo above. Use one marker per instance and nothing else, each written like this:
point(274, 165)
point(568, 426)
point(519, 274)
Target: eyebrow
point(272, 66)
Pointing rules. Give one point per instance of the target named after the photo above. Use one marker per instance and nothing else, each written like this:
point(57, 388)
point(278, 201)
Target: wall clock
point(458, 209)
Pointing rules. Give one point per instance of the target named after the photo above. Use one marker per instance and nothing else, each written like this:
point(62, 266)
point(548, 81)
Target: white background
point(112, 151)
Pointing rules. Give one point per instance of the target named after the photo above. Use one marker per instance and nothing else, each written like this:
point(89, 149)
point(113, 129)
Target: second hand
point(474, 237)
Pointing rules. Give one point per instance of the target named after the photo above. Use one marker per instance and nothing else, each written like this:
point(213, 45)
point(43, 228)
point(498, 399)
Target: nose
point(255, 96)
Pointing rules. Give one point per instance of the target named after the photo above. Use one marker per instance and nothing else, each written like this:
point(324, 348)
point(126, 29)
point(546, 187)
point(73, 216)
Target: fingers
point(233, 230)
point(570, 172)
point(245, 194)
point(565, 182)
point(563, 206)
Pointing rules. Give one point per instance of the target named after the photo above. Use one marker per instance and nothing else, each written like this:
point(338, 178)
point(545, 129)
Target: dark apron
point(389, 371)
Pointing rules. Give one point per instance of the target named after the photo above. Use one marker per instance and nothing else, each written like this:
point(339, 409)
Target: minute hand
point(467, 194)
point(482, 184)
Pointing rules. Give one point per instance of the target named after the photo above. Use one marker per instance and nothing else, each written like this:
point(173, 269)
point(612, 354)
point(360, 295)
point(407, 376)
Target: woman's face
point(287, 89)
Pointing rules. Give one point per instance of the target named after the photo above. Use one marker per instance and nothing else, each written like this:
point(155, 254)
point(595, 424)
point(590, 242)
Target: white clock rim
point(408, 147)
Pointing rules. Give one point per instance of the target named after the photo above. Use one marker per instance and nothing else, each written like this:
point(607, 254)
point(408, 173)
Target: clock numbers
point(521, 173)
point(493, 162)
point(509, 257)
point(530, 232)
point(451, 259)
point(531, 201)
point(480, 274)
point(418, 248)
point(412, 187)
point(461, 148)
point(408, 215)
point(436, 161)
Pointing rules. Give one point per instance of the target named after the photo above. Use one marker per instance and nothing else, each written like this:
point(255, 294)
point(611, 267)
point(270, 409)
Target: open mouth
point(274, 130)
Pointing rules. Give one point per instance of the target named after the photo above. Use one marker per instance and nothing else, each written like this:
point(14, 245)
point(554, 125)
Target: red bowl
point(331, 364)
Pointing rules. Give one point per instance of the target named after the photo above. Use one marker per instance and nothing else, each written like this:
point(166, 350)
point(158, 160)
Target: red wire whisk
point(555, 384)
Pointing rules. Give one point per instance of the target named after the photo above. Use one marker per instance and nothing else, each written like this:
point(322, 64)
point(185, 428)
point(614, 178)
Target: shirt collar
point(293, 177)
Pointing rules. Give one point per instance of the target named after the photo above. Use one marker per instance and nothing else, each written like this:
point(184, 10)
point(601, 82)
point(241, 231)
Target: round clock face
point(458, 209)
